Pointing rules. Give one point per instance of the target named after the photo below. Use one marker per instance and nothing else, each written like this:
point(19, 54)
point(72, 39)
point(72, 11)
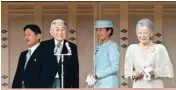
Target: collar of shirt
point(104, 44)
point(33, 48)
point(56, 42)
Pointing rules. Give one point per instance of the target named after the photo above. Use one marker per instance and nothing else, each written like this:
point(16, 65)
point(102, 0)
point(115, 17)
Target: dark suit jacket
point(32, 73)
point(51, 66)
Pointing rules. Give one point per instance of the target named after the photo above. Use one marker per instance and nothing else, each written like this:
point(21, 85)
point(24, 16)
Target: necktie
point(56, 52)
point(28, 55)
point(56, 47)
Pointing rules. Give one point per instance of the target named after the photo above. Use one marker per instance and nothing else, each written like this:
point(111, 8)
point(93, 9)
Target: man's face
point(58, 31)
point(31, 38)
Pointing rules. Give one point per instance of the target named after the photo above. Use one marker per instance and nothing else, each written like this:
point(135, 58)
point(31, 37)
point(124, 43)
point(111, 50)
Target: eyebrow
point(64, 27)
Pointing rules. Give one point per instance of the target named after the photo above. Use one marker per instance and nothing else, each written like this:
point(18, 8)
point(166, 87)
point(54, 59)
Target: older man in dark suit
point(51, 77)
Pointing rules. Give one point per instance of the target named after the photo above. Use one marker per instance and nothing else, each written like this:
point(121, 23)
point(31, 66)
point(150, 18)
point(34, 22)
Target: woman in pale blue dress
point(106, 57)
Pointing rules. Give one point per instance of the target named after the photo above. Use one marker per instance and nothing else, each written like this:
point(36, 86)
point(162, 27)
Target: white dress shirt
point(59, 49)
point(33, 48)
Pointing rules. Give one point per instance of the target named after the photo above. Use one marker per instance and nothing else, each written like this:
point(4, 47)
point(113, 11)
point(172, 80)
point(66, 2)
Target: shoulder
point(161, 50)
point(113, 44)
point(132, 46)
point(160, 47)
point(71, 44)
point(46, 41)
point(23, 53)
point(40, 48)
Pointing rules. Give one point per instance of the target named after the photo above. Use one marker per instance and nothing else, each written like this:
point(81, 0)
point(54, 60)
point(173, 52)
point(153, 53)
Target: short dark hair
point(34, 28)
point(107, 29)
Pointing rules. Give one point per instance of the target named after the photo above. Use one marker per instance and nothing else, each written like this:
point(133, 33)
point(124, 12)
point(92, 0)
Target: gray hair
point(58, 21)
point(145, 23)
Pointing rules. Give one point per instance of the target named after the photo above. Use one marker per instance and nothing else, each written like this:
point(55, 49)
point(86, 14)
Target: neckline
point(145, 49)
point(104, 44)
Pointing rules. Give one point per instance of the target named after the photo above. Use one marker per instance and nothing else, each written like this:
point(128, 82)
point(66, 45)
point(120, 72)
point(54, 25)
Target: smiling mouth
point(59, 36)
point(100, 35)
point(27, 41)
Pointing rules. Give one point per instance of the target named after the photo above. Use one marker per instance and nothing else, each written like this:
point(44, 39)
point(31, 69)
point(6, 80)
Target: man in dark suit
point(29, 67)
point(51, 77)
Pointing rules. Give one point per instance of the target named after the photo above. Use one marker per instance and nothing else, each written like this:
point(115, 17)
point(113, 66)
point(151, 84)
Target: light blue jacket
point(106, 65)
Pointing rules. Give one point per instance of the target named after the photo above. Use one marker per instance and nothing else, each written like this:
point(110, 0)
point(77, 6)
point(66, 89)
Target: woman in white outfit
point(146, 63)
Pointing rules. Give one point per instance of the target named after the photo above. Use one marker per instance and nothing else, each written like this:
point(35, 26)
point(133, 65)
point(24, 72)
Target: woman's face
point(144, 34)
point(102, 34)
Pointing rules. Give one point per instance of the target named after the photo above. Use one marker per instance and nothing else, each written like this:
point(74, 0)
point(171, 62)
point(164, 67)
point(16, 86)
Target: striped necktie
point(56, 47)
point(28, 55)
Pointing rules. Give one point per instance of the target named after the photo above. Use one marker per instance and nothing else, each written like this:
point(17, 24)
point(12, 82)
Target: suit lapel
point(33, 57)
point(52, 45)
point(64, 49)
point(23, 61)
point(34, 54)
